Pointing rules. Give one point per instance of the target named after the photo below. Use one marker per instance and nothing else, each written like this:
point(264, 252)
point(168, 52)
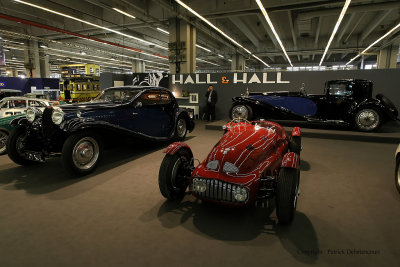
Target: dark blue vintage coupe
point(347, 102)
point(79, 130)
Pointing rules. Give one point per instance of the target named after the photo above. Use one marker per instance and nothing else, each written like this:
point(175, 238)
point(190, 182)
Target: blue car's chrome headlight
point(58, 116)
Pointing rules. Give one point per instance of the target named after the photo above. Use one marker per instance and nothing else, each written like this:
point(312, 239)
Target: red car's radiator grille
point(218, 190)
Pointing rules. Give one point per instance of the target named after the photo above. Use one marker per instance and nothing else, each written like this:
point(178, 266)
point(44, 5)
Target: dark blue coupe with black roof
point(79, 130)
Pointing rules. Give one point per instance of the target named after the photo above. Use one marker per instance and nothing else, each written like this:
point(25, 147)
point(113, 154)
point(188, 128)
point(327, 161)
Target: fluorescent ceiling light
point(123, 12)
point(91, 24)
point(230, 60)
point(217, 29)
point(199, 59)
point(162, 30)
point(106, 58)
point(341, 16)
point(220, 55)
point(262, 8)
point(376, 41)
point(202, 47)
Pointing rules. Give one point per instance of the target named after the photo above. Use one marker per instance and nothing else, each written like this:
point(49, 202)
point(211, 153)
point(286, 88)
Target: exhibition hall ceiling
point(116, 33)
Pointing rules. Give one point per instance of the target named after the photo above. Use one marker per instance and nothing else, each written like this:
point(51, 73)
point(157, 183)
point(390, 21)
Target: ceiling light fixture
point(123, 12)
point(218, 30)
point(262, 8)
point(199, 59)
point(134, 58)
point(202, 47)
point(162, 30)
point(43, 45)
point(341, 16)
point(220, 55)
point(376, 41)
point(90, 23)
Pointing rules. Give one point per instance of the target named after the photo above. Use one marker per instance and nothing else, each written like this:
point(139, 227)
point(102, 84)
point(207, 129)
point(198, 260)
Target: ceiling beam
point(351, 9)
point(294, 37)
point(245, 30)
point(268, 29)
point(317, 32)
point(374, 23)
point(360, 18)
point(343, 29)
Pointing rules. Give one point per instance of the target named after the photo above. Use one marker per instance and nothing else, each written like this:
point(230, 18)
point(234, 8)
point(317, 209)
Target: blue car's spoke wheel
point(81, 153)
point(367, 120)
point(241, 112)
point(3, 140)
point(181, 129)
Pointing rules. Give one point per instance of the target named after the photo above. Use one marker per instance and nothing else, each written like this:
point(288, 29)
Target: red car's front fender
point(173, 148)
point(291, 160)
point(296, 131)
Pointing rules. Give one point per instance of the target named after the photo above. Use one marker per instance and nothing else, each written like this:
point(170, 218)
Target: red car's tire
point(287, 190)
point(295, 144)
point(172, 177)
point(397, 174)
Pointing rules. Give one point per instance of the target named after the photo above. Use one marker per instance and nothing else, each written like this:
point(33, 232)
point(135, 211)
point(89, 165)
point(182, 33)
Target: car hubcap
point(367, 119)
point(3, 140)
point(181, 127)
point(240, 112)
point(85, 153)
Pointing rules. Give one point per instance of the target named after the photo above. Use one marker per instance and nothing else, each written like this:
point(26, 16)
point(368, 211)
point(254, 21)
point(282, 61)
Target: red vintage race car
point(253, 161)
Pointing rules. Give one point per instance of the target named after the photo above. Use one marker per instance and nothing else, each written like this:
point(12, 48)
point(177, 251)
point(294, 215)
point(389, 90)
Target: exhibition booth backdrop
point(228, 85)
point(28, 85)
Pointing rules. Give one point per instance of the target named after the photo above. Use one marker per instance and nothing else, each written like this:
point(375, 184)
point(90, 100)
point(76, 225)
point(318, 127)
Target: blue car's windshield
point(117, 95)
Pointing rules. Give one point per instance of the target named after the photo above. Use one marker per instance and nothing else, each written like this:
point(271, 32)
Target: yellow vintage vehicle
point(79, 82)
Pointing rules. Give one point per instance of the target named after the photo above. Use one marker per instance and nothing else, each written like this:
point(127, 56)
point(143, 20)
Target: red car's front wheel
point(173, 177)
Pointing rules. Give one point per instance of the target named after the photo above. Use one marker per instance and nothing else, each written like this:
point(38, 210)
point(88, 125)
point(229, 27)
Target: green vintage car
point(5, 130)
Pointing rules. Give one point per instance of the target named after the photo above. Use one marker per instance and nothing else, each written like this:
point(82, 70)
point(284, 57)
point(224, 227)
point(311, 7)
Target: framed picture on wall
point(193, 98)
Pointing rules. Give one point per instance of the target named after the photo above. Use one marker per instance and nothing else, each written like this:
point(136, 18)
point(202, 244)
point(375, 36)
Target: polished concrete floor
point(116, 217)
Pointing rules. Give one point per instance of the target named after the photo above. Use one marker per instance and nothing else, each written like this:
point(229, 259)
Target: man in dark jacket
point(212, 99)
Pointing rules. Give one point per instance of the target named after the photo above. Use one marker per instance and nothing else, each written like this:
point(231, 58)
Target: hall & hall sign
point(229, 78)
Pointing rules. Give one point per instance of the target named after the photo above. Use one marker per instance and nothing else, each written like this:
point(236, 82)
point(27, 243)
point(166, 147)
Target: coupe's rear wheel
point(3, 142)
point(367, 120)
point(15, 146)
point(397, 174)
point(181, 129)
point(81, 153)
point(173, 177)
point(287, 192)
point(241, 112)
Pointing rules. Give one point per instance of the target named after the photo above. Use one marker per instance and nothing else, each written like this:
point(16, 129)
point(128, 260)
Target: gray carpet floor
point(348, 213)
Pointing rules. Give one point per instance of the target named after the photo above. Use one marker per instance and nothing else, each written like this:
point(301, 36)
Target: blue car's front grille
point(47, 123)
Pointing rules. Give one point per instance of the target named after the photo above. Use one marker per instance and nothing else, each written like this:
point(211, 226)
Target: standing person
point(212, 98)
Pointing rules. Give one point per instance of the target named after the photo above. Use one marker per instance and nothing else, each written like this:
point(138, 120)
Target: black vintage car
point(78, 131)
point(347, 102)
